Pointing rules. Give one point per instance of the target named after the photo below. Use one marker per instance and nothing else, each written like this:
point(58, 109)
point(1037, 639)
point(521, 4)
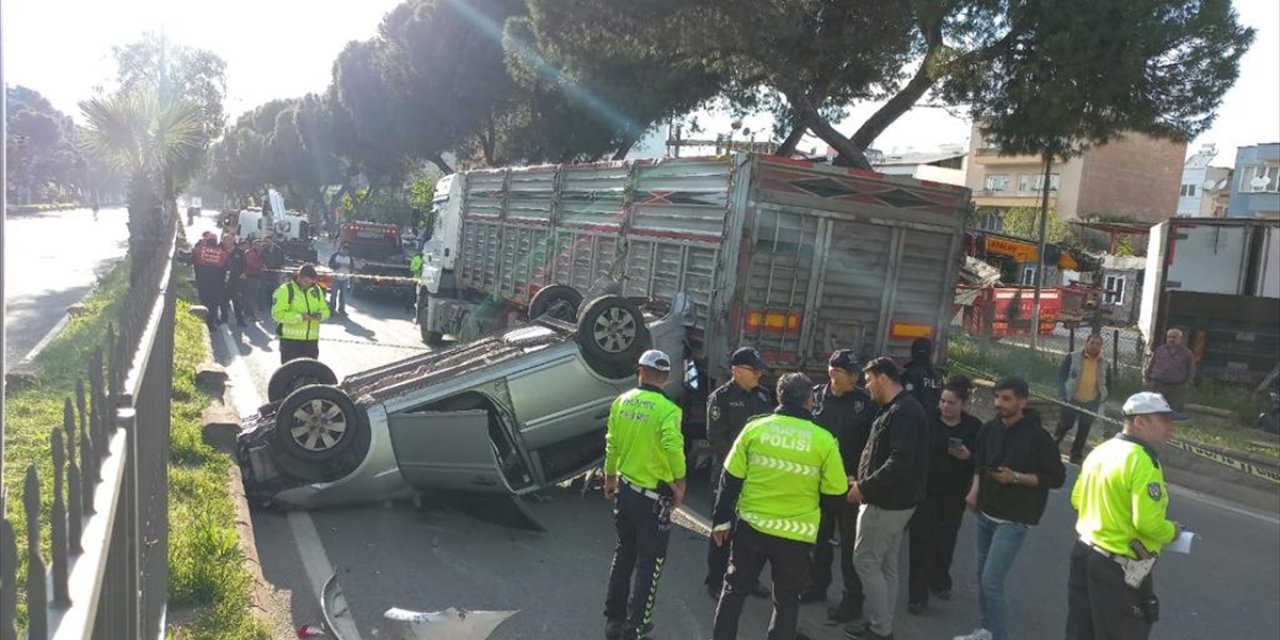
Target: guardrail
point(108, 573)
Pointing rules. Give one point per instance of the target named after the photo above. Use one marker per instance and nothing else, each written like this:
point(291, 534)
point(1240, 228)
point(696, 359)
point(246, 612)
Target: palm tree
point(154, 140)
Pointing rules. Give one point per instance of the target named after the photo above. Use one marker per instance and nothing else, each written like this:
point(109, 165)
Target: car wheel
point(298, 373)
point(612, 335)
point(318, 422)
point(558, 301)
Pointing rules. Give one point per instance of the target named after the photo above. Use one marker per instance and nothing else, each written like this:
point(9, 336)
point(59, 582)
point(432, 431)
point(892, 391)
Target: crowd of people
point(878, 453)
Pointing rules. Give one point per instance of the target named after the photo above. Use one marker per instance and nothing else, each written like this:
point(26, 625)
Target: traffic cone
point(309, 631)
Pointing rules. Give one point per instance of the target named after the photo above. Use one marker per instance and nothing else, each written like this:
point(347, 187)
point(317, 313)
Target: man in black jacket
point(891, 482)
point(919, 377)
point(1016, 464)
point(729, 408)
point(845, 410)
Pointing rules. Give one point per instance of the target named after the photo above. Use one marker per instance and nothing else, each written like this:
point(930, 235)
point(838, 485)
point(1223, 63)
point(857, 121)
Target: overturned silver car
point(510, 413)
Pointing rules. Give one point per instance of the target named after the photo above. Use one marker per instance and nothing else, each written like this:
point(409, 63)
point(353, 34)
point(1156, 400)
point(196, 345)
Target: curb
point(265, 599)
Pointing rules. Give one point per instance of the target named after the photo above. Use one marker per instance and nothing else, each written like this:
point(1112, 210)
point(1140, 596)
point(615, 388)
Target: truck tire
point(612, 335)
point(559, 301)
point(298, 373)
point(318, 422)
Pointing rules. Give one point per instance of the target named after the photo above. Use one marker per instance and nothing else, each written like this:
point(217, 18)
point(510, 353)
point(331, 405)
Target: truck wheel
point(318, 422)
point(298, 373)
point(558, 301)
point(612, 335)
point(432, 338)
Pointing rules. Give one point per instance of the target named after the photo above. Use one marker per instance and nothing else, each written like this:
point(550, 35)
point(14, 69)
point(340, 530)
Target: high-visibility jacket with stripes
point(785, 464)
point(290, 302)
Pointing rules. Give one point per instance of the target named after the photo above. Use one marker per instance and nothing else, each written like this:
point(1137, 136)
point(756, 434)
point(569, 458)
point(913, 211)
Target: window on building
point(1114, 286)
point(1029, 276)
point(1260, 178)
point(1024, 182)
point(1055, 180)
point(997, 182)
point(1188, 190)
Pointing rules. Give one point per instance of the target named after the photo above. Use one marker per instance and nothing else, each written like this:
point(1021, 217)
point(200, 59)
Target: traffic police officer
point(644, 476)
point(298, 307)
point(728, 410)
point(846, 411)
point(1123, 502)
point(782, 471)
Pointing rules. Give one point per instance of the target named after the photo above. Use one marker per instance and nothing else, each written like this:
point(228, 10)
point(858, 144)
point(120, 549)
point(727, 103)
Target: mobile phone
point(955, 443)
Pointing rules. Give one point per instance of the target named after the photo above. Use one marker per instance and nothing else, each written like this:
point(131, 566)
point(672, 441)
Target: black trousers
point(643, 530)
point(933, 530)
point(1069, 417)
point(845, 521)
point(211, 286)
point(294, 349)
point(1100, 606)
point(789, 564)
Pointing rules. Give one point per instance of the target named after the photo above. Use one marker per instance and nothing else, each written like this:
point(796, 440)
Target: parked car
point(510, 413)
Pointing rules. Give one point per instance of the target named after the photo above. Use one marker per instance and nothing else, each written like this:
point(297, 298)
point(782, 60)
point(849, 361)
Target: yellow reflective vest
point(290, 302)
point(1121, 496)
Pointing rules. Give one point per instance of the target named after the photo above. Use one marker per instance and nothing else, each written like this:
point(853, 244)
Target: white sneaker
point(976, 634)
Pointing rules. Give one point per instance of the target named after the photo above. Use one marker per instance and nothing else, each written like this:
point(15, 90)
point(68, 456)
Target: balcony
point(1010, 199)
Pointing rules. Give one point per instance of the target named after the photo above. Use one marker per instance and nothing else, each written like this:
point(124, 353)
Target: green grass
point(1041, 372)
point(207, 572)
point(33, 411)
point(206, 566)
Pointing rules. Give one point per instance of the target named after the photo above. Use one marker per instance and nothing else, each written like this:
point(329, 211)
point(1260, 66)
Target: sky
point(285, 49)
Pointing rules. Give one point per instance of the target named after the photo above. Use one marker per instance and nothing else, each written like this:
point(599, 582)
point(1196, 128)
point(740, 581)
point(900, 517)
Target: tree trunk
point(850, 155)
point(902, 102)
point(789, 144)
point(439, 161)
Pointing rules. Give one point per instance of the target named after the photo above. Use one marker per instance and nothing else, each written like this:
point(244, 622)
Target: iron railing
point(108, 573)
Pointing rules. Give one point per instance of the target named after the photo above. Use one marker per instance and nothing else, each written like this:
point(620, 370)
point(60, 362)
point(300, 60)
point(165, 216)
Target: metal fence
point(107, 576)
point(1124, 348)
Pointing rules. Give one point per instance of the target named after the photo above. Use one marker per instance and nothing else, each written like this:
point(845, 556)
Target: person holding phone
point(298, 307)
point(953, 434)
point(1016, 463)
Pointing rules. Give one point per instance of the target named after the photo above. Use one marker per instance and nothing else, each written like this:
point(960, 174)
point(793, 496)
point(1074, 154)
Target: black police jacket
point(895, 462)
point(728, 410)
point(924, 382)
point(848, 417)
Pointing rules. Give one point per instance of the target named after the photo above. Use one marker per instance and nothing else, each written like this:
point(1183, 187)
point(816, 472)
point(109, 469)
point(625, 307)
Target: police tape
point(1245, 466)
point(350, 276)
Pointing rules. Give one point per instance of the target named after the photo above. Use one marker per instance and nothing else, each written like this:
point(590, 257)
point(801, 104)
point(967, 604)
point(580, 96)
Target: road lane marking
point(315, 561)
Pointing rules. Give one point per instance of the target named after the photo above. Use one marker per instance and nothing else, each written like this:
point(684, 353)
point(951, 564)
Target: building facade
point(1255, 186)
point(947, 165)
point(1205, 189)
point(1136, 176)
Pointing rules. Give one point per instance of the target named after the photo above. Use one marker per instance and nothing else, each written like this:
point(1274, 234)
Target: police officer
point(728, 410)
point(783, 469)
point(919, 377)
point(1123, 503)
point(846, 411)
point(298, 307)
point(644, 476)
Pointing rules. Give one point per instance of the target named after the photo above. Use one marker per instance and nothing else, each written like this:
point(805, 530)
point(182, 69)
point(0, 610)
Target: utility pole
point(1044, 224)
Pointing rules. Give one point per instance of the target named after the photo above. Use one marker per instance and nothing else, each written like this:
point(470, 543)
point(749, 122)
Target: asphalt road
point(51, 260)
point(397, 555)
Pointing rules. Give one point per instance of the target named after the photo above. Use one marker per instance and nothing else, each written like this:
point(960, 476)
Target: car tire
point(612, 335)
point(561, 301)
point(298, 373)
point(317, 423)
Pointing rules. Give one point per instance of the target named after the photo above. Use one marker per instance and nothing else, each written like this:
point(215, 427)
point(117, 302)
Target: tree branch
point(792, 140)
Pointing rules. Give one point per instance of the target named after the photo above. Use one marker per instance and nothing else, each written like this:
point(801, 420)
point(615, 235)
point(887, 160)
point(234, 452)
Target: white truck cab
point(441, 252)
